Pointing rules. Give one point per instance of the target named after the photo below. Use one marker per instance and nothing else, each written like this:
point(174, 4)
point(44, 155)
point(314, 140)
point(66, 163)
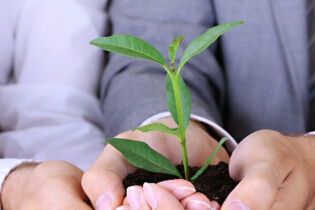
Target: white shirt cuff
point(230, 144)
point(312, 133)
point(6, 166)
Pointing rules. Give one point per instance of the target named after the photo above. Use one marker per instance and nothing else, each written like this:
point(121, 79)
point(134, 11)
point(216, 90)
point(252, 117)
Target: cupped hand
point(102, 182)
point(48, 185)
point(275, 172)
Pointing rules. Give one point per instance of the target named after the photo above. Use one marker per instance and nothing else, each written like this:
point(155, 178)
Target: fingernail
point(122, 208)
point(133, 196)
point(237, 205)
point(182, 192)
point(214, 205)
point(103, 202)
point(196, 204)
point(150, 195)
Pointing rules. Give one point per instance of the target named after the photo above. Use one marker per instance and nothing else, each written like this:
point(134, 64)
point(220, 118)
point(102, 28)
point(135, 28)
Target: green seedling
point(178, 98)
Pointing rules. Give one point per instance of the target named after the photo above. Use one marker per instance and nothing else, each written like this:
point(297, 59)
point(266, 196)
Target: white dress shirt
point(49, 77)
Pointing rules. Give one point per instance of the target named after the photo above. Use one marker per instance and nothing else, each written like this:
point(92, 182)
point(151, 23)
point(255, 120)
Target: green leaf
point(158, 127)
point(205, 40)
point(208, 161)
point(172, 49)
point(129, 46)
point(141, 155)
point(184, 95)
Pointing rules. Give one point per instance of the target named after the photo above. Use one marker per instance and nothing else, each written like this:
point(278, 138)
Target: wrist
point(14, 185)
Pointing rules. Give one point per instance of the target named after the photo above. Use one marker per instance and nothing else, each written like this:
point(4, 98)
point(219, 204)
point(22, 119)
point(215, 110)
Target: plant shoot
point(178, 98)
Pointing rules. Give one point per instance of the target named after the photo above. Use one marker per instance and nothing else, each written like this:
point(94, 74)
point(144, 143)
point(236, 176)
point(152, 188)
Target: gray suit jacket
point(255, 77)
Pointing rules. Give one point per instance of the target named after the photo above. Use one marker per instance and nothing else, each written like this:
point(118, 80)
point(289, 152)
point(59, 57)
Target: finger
point(183, 189)
point(102, 182)
point(293, 193)
point(136, 199)
point(125, 202)
point(258, 186)
point(68, 197)
point(256, 191)
point(160, 198)
point(125, 205)
point(198, 201)
point(178, 187)
point(262, 167)
point(214, 205)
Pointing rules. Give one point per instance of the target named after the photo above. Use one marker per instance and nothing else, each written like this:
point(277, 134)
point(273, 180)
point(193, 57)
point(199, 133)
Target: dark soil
point(215, 182)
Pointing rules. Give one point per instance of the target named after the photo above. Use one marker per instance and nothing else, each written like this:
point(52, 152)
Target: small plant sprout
point(178, 98)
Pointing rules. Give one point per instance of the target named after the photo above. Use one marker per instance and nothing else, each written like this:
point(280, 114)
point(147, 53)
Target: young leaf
point(129, 46)
point(158, 127)
point(141, 155)
point(208, 161)
point(184, 95)
point(205, 40)
point(172, 49)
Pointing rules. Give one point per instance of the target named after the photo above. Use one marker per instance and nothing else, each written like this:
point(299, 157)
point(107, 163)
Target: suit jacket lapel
point(291, 22)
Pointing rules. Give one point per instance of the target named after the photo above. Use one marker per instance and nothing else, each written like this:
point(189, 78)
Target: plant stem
point(185, 161)
point(181, 126)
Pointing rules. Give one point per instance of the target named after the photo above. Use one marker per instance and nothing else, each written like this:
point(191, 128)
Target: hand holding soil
point(104, 178)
